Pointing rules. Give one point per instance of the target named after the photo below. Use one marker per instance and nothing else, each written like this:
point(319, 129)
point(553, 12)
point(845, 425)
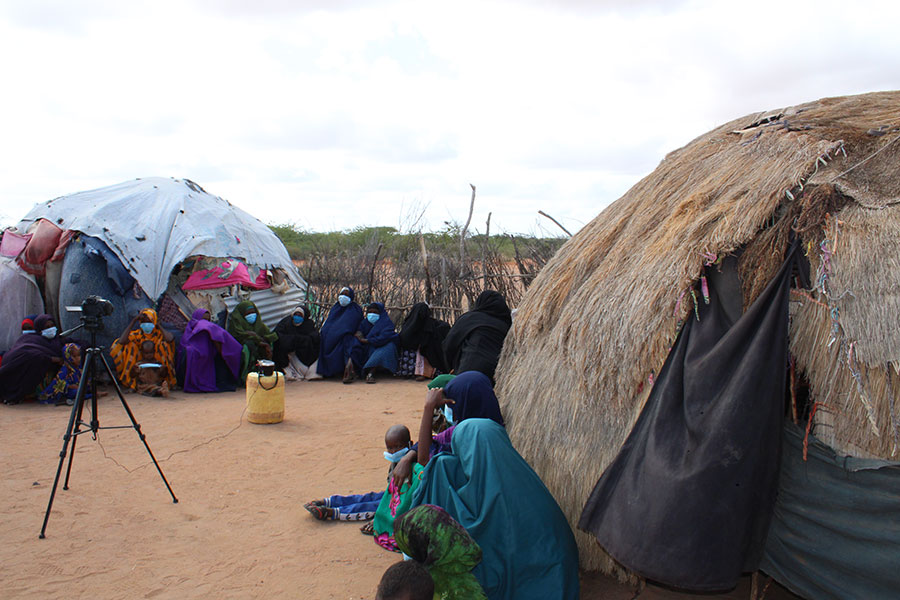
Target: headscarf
point(126, 356)
point(243, 331)
point(440, 381)
point(430, 536)
point(302, 339)
point(199, 347)
point(493, 303)
point(382, 332)
point(28, 324)
point(68, 375)
point(474, 398)
point(485, 328)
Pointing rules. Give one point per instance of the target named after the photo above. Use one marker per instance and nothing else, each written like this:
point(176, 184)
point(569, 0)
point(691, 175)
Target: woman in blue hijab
point(340, 351)
point(379, 338)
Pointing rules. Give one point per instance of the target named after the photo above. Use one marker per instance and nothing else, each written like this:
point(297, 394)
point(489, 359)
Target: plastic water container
point(265, 397)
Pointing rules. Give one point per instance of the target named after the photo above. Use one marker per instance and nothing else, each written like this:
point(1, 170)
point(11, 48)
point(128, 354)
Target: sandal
point(368, 528)
point(320, 512)
point(370, 378)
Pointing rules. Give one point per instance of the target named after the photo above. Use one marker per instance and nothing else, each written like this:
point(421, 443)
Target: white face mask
point(448, 414)
point(343, 300)
point(49, 333)
point(396, 456)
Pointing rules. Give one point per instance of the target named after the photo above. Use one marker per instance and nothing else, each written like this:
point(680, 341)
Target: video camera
point(92, 310)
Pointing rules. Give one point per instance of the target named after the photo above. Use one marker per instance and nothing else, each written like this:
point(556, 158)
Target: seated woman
point(340, 351)
point(476, 338)
point(126, 351)
point(249, 330)
point(32, 362)
point(297, 346)
point(432, 538)
point(64, 386)
point(423, 335)
point(528, 550)
point(379, 338)
point(209, 358)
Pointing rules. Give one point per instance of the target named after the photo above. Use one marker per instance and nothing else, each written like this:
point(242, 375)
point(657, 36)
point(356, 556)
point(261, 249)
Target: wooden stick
point(428, 292)
point(540, 212)
point(462, 233)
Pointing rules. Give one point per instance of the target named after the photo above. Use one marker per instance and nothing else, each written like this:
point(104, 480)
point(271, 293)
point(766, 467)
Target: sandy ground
point(238, 530)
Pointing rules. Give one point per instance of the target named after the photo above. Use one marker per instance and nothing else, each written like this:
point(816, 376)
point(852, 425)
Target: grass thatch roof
point(598, 322)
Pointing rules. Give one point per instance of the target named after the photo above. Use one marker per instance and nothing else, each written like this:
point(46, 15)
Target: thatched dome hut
point(598, 322)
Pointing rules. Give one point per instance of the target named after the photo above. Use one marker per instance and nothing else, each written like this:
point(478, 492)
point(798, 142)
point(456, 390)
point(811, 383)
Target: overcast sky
point(341, 113)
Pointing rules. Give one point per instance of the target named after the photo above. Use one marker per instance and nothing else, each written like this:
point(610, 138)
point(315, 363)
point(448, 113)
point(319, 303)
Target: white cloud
point(315, 112)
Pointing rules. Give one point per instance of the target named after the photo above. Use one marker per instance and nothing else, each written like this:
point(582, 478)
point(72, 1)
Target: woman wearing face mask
point(528, 549)
point(248, 329)
point(209, 358)
point(126, 351)
point(379, 337)
point(297, 346)
point(32, 361)
point(339, 350)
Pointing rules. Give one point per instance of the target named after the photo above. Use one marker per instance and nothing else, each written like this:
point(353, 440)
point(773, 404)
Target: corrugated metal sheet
point(272, 306)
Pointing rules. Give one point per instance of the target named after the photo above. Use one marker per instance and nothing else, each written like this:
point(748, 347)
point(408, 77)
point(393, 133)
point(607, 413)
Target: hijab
point(431, 537)
point(474, 397)
point(240, 328)
point(382, 332)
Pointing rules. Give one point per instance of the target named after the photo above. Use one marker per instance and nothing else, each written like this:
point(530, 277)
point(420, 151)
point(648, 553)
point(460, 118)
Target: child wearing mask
point(363, 507)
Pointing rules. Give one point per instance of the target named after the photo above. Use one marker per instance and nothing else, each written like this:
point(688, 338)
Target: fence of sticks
point(448, 271)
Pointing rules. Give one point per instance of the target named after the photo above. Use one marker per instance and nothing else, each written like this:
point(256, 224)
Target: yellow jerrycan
point(265, 394)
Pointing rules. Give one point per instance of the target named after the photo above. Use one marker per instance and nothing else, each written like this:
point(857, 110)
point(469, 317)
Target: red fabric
point(40, 248)
point(64, 239)
point(211, 278)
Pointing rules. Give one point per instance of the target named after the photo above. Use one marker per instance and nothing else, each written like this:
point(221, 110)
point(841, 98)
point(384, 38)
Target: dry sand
point(239, 529)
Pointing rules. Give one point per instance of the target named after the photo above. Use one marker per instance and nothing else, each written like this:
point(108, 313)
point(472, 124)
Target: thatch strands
point(597, 323)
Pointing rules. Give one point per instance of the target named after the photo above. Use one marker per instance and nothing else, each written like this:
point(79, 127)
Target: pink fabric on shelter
point(210, 278)
point(40, 248)
point(13, 243)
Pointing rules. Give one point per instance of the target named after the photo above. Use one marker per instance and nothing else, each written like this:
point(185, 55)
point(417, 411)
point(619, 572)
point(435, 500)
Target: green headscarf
point(440, 381)
point(430, 536)
point(245, 332)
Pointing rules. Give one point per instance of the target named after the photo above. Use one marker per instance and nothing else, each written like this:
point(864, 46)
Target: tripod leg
point(136, 425)
point(86, 375)
point(76, 412)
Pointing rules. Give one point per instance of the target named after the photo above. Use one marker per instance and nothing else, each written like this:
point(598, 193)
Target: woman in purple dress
point(208, 356)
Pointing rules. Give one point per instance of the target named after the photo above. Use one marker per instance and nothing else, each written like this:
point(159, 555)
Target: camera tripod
point(89, 378)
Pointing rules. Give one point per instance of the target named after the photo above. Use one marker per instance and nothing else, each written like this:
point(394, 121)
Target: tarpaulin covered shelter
point(136, 242)
point(619, 307)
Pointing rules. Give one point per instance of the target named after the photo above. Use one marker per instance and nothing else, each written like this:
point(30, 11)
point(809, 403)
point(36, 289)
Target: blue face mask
point(396, 456)
point(372, 317)
point(448, 414)
point(147, 328)
point(24, 331)
point(297, 319)
point(343, 300)
point(49, 333)
point(251, 318)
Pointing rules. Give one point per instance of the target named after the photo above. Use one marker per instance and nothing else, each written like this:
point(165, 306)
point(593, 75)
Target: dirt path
point(239, 530)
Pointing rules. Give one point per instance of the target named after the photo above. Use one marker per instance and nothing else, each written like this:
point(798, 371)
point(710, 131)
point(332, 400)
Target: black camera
point(95, 307)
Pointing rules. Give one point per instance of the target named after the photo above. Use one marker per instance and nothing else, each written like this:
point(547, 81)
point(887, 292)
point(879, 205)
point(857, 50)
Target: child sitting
point(64, 386)
point(361, 507)
point(150, 377)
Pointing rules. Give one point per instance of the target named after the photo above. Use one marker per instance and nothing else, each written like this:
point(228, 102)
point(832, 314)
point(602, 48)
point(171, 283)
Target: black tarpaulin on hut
point(688, 499)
